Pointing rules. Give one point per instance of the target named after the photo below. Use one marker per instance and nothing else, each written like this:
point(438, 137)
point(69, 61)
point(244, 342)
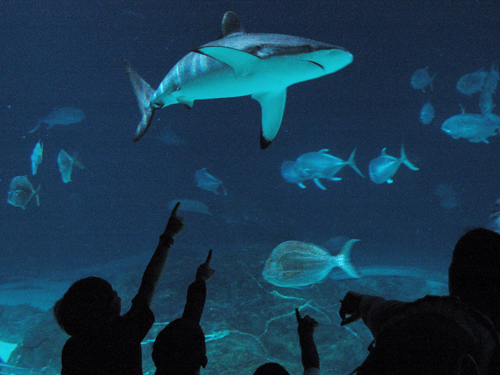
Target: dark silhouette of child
point(102, 341)
point(309, 352)
point(455, 334)
point(179, 349)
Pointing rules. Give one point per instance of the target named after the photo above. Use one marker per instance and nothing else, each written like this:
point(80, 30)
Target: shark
point(238, 64)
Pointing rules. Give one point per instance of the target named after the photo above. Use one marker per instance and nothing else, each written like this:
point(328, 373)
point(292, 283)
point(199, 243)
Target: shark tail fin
point(143, 93)
point(343, 260)
point(405, 160)
point(350, 162)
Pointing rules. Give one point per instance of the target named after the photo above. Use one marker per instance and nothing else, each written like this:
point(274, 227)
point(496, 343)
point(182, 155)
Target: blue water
point(70, 54)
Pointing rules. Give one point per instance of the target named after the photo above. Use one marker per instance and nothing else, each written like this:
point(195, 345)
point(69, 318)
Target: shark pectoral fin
point(187, 103)
point(272, 104)
point(319, 184)
point(143, 93)
point(241, 62)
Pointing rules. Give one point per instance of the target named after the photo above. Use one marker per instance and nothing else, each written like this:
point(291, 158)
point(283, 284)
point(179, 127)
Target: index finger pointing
point(209, 257)
point(174, 211)
point(297, 315)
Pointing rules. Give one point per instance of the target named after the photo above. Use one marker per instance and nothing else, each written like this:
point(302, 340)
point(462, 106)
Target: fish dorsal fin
point(231, 24)
point(383, 151)
point(323, 151)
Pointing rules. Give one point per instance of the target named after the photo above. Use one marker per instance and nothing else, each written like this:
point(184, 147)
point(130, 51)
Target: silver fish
point(426, 113)
point(294, 264)
point(290, 174)
point(491, 80)
point(421, 78)
point(36, 157)
point(471, 83)
point(61, 116)
point(240, 64)
point(206, 181)
point(66, 165)
point(316, 165)
point(21, 191)
point(474, 127)
point(382, 168)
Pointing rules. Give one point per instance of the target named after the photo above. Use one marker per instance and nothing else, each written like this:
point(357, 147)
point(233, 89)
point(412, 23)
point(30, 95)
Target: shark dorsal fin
point(231, 24)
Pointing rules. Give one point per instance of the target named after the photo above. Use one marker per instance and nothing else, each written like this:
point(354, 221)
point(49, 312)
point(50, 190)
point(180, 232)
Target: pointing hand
point(174, 225)
point(306, 324)
point(204, 271)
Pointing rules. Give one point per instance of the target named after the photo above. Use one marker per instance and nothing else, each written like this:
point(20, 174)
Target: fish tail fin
point(40, 122)
point(344, 261)
point(405, 160)
point(143, 93)
point(432, 79)
point(37, 197)
point(224, 191)
point(76, 161)
point(350, 162)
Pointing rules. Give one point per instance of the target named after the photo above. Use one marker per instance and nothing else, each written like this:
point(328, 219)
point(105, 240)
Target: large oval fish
point(295, 264)
point(21, 191)
point(382, 168)
point(240, 64)
point(472, 126)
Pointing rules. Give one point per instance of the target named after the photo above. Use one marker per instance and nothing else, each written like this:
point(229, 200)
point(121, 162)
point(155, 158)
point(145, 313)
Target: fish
point(290, 174)
point(316, 165)
point(491, 80)
point(421, 78)
point(471, 83)
point(21, 191)
point(448, 196)
point(206, 181)
point(427, 113)
point(168, 136)
point(382, 168)
point(190, 205)
point(36, 157)
point(471, 126)
point(66, 165)
point(240, 64)
point(486, 104)
point(61, 116)
point(294, 264)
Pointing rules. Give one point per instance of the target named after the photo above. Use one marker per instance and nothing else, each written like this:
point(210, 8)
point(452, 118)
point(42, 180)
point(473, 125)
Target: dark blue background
point(70, 53)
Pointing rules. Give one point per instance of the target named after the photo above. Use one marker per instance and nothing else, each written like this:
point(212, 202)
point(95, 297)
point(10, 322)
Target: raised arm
point(197, 291)
point(155, 266)
point(310, 356)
